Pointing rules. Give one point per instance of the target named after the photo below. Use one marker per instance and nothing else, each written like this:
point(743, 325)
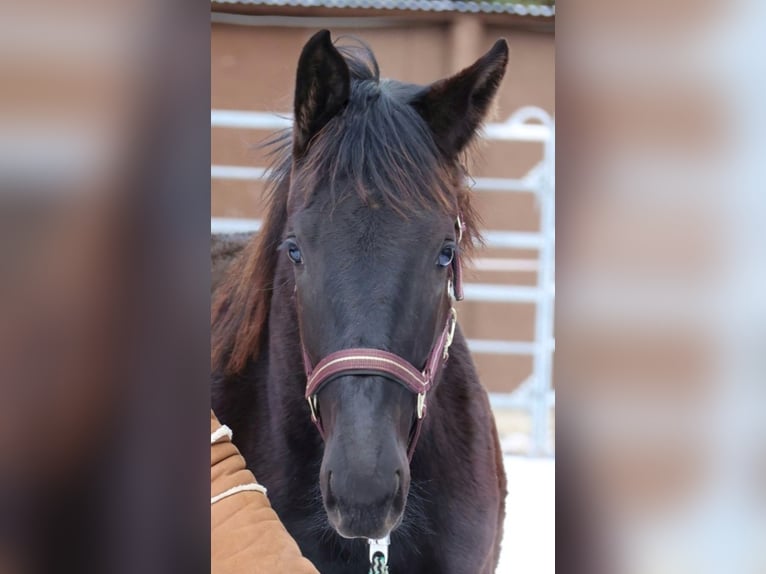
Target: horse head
point(377, 217)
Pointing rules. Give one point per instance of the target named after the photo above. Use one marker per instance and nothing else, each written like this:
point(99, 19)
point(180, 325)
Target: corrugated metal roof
point(421, 5)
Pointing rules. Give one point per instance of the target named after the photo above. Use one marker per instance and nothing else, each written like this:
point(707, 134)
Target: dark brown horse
point(359, 250)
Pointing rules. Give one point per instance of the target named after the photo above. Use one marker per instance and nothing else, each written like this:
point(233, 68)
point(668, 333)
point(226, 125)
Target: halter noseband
point(366, 361)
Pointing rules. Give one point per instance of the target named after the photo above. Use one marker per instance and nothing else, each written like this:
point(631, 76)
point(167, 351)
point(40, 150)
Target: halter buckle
point(312, 400)
point(459, 225)
point(450, 333)
point(421, 404)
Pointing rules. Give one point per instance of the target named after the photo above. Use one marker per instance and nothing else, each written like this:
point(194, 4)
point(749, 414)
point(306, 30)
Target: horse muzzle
point(364, 508)
point(365, 474)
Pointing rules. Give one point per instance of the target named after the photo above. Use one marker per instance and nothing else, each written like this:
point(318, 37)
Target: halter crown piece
point(365, 361)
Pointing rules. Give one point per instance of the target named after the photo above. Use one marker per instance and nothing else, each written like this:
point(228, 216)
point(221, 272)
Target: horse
point(353, 274)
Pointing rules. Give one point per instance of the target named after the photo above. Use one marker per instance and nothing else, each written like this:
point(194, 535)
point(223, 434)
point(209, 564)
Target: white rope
point(219, 433)
point(237, 489)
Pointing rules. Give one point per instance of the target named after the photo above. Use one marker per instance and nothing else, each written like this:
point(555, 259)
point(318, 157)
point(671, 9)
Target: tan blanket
point(246, 535)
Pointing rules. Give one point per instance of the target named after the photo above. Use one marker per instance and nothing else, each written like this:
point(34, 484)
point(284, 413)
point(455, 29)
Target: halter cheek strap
point(457, 266)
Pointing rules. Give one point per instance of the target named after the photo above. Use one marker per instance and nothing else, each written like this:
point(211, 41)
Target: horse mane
point(379, 148)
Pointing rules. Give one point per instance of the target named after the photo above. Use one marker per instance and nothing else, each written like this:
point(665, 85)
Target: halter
point(366, 361)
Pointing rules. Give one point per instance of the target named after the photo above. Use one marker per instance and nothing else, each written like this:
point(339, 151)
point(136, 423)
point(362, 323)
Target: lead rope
point(379, 555)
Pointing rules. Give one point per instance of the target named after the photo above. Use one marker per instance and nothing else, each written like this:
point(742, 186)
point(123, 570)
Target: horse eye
point(294, 253)
point(446, 256)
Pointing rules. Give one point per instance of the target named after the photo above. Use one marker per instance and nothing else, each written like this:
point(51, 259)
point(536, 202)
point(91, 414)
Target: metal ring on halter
point(312, 400)
point(450, 334)
point(421, 404)
point(459, 225)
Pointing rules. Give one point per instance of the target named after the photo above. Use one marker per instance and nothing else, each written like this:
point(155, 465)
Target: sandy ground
point(529, 541)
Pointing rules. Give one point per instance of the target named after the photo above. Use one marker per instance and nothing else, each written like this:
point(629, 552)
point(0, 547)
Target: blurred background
point(104, 287)
point(661, 287)
point(507, 313)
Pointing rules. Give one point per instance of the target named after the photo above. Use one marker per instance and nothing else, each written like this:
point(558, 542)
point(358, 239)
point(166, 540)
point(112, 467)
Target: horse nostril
point(398, 475)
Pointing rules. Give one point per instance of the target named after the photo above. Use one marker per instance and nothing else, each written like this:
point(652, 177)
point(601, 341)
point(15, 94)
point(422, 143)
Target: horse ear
point(455, 107)
point(322, 88)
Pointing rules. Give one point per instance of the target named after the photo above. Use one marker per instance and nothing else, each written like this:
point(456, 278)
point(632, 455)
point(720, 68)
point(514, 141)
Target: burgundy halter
point(365, 361)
